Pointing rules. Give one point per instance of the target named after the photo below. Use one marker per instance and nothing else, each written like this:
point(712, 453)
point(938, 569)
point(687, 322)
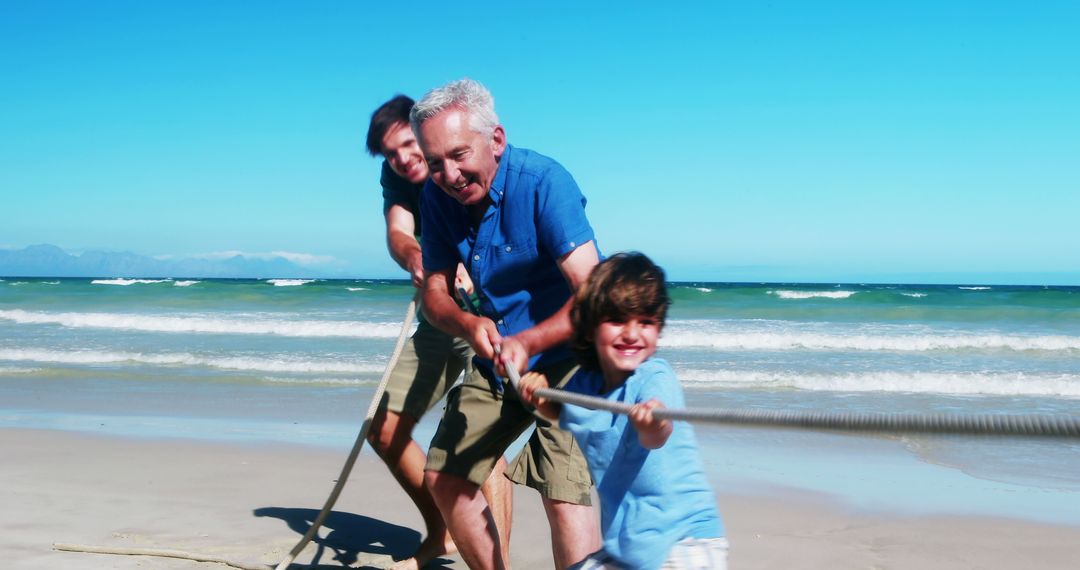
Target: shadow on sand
point(346, 536)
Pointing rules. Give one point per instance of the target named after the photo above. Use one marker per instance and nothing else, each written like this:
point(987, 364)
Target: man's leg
point(499, 493)
point(426, 369)
point(575, 533)
point(552, 464)
point(469, 519)
point(497, 489)
point(474, 433)
point(391, 437)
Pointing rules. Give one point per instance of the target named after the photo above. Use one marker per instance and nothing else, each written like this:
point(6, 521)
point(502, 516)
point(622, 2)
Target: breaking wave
point(777, 341)
point(970, 383)
point(214, 325)
point(126, 282)
point(783, 294)
point(279, 364)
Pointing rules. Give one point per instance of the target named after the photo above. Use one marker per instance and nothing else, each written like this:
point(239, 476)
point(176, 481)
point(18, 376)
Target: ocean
point(296, 361)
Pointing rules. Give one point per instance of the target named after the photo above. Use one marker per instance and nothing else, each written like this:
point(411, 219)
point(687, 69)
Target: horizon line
point(691, 282)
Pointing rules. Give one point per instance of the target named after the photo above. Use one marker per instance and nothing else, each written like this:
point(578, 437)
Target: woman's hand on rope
point(653, 432)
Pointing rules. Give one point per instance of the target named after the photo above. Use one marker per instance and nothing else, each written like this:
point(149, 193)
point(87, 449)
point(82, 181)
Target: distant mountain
point(46, 260)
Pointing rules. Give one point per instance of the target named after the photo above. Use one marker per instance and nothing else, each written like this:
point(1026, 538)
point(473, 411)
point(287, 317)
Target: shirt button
point(500, 321)
point(507, 249)
point(476, 257)
point(572, 244)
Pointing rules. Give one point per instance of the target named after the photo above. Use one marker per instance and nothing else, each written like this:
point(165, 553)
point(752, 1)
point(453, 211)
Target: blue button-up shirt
point(536, 217)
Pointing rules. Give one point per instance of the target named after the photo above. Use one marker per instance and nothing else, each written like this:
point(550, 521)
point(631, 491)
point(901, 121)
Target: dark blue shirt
point(396, 190)
point(537, 216)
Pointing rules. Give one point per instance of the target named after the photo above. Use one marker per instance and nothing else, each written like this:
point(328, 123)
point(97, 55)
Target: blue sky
point(731, 141)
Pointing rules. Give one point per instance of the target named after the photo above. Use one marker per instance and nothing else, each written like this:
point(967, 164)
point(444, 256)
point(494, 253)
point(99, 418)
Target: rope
point(969, 424)
point(342, 479)
point(162, 553)
point(973, 424)
point(360, 438)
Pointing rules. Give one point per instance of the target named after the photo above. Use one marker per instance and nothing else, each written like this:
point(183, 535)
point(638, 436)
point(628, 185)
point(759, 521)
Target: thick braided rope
point(376, 399)
point(975, 424)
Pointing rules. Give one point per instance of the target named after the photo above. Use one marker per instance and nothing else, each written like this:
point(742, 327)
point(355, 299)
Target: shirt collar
point(498, 186)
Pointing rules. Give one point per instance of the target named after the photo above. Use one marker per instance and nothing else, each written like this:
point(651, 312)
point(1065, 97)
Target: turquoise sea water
point(297, 360)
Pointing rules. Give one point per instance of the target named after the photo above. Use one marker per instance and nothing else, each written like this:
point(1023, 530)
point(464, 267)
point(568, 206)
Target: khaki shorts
point(427, 368)
point(478, 426)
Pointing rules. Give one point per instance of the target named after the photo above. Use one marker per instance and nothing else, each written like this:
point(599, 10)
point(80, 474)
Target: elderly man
point(516, 219)
point(432, 360)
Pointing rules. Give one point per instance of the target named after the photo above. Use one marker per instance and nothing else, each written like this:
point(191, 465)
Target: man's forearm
point(404, 249)
point(549, 333)
point(441, 310)
point(557, 329)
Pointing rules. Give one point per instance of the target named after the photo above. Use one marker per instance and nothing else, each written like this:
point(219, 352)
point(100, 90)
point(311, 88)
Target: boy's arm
point(527, 386)
point(652, 432)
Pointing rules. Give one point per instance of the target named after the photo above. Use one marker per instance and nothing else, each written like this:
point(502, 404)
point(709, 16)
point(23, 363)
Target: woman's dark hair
point(623, 285)
point(387, 115)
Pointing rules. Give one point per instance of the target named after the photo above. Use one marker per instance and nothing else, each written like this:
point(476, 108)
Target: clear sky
point(731, 141)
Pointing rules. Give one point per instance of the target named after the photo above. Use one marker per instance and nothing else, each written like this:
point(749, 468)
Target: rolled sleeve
point(561, 221)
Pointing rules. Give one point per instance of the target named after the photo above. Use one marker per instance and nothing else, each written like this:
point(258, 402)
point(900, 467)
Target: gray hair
point(466, 94)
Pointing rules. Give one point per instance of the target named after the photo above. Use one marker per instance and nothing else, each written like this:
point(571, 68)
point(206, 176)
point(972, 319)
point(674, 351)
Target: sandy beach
point(251, 502)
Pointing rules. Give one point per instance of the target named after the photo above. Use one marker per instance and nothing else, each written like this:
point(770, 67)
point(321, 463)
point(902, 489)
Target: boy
point(657, 509)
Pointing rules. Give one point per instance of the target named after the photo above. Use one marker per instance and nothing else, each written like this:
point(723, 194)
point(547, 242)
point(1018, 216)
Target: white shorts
point(687, 554)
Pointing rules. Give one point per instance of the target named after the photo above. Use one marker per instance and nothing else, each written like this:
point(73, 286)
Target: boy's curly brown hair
point(623, 285)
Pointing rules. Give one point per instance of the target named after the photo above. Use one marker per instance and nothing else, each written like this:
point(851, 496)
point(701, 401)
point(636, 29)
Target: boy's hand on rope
point(529, 384)
point(527, 387)
point(653, 432)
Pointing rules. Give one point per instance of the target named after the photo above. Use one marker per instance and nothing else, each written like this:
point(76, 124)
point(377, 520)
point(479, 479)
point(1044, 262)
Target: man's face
point(463, 162)
point(403, 154)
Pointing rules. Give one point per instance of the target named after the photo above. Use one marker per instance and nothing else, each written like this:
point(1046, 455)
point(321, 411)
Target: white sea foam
point(785, 294)
point(307, 381)
point(13, 370)
point(358, 288)
point(916, 295)
point(278, 364)
point(975, 288)
point(972, 383)
point(704, 289)
point(787, 340)
point(126, 282)
point(289, 282)
point(185, 283)
point(200, 324)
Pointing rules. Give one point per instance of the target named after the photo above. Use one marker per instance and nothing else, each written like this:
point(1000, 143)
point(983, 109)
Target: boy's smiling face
point(623, 344)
